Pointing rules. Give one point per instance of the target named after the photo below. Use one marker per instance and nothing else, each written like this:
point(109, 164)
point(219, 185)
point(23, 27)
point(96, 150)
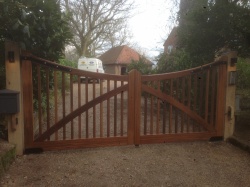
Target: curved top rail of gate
point(56, 66)
point(177, 74)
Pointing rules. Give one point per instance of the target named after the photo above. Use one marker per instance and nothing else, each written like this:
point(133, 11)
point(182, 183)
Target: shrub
point(243, 77)
point(141, 65)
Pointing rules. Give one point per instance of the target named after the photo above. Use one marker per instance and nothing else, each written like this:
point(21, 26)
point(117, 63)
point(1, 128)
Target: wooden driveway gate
point(61, 112)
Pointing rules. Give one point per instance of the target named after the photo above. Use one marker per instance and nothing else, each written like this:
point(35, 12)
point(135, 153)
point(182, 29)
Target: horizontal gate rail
point(79, 143)
point(36, 60)
point(166, 138)
point(156, 77)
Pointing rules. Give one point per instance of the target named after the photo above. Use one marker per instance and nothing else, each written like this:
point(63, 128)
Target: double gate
point(67, 108)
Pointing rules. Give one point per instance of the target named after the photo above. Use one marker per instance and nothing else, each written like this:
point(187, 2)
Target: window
point(170, 48)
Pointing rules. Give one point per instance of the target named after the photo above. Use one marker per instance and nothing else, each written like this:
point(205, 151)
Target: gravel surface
point(172, 164)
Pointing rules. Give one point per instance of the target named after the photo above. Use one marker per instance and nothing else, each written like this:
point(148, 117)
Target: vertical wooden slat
point(164, 117)
point(158, 110)
point(63, 103)
point(151, 113)
point(183, 102)
point(189, 100)
point(145, 112)
point(170, 107)
point(176, 110)
point(202, 98)
point(195, 97)
point(47, 99)
point(164, 110)
point(101, 110)
point(213, 90)
point(207, 94)
point(86, 101)
point(137, 107)
point(108, 110)
point(201, 102)
point(56, 102)
point(71, 105)
point(115, 110)
point(177, 89)
point(176, 119)
point(39, 99)
point(27, 86)
point(122, 97)
point(195, 93)
point(131, 108)
point(94, 111)
point(79, 104)
point(189, 91)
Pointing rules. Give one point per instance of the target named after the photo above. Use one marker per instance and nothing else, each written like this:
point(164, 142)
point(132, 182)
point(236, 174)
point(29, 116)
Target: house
point(171, 42)
point(116, 59)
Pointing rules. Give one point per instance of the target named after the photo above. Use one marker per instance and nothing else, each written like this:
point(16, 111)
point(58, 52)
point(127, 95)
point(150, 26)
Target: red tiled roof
point(119, 55)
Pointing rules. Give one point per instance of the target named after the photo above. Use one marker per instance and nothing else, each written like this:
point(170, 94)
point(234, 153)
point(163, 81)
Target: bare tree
point(96, 24)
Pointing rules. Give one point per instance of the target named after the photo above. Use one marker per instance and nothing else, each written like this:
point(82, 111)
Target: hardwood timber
point(55, 102)
point(131, 108)
point(79, 105)
point(87, 112)
point(47, 100)
point(178, 105)
point(122, 98)
point(26, 73)
point(63, 103)
point(108, 110)
point(101, 110)
point(39, 91)
point(168, 99)
point(207, 95)
point(83, 108)
point(115, 110)
point(170, 107)
point(137, 108)
point(222, 81)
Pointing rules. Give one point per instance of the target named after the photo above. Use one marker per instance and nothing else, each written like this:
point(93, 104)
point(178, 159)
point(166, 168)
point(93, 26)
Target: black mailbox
point(9, 102)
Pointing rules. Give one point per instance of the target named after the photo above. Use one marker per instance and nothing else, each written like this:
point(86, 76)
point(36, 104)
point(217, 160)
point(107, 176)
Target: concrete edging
point(239, 143)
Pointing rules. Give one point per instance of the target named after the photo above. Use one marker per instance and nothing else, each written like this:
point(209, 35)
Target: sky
point(150, 25)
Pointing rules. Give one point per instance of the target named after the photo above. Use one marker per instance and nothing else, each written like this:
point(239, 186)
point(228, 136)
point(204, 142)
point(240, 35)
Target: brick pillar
point(230, 96)
point(13, 82)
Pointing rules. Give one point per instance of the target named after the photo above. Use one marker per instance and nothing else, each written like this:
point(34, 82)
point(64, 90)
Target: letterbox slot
point(9, 102)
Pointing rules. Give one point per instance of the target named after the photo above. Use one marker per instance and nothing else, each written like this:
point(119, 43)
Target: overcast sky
point(150, 24)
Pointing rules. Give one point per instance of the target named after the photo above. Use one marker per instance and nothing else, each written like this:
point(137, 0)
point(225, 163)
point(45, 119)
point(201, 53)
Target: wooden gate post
point(221, 93)
point(13, 82)
point(27, 86)
point(134, 107)
point(230, 95)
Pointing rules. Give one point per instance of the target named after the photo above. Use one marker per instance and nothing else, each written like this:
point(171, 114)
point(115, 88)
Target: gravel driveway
point(172, 164)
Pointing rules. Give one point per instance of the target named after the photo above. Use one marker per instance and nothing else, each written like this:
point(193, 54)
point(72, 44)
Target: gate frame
point(18, 76)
